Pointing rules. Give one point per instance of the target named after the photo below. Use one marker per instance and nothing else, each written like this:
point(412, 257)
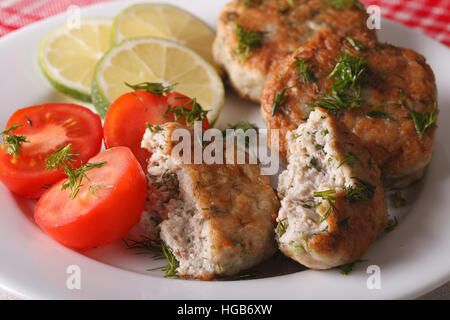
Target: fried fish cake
point(384, 94)
point(218, 219)
point(332, 200)
point(252, 36)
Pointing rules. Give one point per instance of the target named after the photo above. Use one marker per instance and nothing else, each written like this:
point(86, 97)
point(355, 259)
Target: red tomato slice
point(126, 118)
point(97, 216)
point(48, 127)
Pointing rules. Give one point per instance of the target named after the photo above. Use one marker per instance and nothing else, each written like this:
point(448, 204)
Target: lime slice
point(68, 56)
point(156, 60)
point(164, 21)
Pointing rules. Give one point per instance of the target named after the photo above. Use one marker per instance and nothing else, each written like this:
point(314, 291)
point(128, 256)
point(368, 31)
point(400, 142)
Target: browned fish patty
point(283, 27)
point(398, 82)
point(217, 218)
point(332, 199)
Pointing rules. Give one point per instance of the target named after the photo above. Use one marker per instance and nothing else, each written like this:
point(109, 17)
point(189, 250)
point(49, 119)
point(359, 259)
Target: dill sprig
point(301, 69)
point(190, 112)
point(398, 200)
point(247, 40)
point(360, 191)
point(424, 120)
point(153, 128)
point(358, 46)
point(392, 224)
point(279, 99)
point(95, 187)
point(64, 159)
point(379, 112)
point(159, 250)
point(13, 143)
point(347, 268)
point(346, 4)
point(327, 196)
point(281, 228)
point(152, 87)
point(350, 158)
point(350, 74)
point(243, 125)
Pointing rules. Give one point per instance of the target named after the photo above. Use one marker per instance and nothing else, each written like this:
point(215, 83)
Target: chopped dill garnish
point(13, 143)
point(392, 224)
point(314, 164)
point(279, 99)
point(423, 120)
point(152, 87)
point(95, 187)
point(350, 74)
point(350, 158)
point(356, 44)
point(308, 204)
point(324, 216)
point(243, 125)
point(347, 268)
point(398, 200)
point(360, 192)
point(153, 128)
point(379, 112)
point(281, 228)
point(159, 250)
point(297, 247)
point(64, 158)
point(247, 40)
point(190, 112)
point(326, 195)
point(302, 70)
point(324, 132)
point(345, 4)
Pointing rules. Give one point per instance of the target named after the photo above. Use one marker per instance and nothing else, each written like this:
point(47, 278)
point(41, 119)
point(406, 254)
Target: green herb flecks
point(153, 128)
point(350, 74)
point(345, 269)
point(301, 69)
point(424, 120)
point(159, 250)
point(324, 216)
point(349, 158)
point(247, 40)
point(95, 187)
point(346, 4)
point(152, 87)
point(242, 125)
point(13, 143)
point(314, 164)
point(281, 228)
point(190, 112)
point(64, 159)
point(392, 224)
point(279, 99)
point(358, 46)
point(379, 112)
point(398, 200)
point(361, 191)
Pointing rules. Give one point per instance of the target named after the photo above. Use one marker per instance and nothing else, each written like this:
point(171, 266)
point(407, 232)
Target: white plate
point(414, 258)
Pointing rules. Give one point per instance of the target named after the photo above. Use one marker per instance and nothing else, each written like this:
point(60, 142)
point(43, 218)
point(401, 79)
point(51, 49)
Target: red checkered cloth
point(430, 16)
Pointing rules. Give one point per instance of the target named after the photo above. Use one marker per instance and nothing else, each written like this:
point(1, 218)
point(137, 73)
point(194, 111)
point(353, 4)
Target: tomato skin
point(125, 121)
point(84, 133)
point(89, 222)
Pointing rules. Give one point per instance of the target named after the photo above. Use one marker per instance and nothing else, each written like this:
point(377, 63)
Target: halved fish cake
point(332, 200)
point(384, 94)
point(218, 219)
point(252, 36)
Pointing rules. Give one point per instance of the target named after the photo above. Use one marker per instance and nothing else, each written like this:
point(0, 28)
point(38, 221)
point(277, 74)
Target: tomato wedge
point(125, 121)
point(47, 127)
point(106, 207)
